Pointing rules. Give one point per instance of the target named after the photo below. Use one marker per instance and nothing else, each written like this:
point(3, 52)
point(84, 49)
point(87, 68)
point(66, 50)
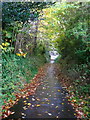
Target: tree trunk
point(35, 38)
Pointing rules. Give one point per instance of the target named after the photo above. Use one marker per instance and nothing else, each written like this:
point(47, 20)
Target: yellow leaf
point(5, 44)
point(58, 90)
point(62, 103)
point(18, 54)
point(74, 113)
point(38, 105)
point(1, 46)
point(29, 104)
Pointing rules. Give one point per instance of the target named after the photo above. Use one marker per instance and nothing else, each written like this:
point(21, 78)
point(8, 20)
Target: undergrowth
point(78, 84)
point(17, 71)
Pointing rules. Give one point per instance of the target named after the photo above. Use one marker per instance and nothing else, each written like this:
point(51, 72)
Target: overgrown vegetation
point(33, 29)
point(74, 46)
point(22, 55)
point(18, 71)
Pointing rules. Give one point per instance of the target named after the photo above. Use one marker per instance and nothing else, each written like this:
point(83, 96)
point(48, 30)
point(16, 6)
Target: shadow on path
point(48, 102)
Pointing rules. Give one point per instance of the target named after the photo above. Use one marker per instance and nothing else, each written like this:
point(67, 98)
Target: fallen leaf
point(32, 105)
point(52, 104)
point(25, 103)
point(38, 99)
point(38, 105)
point(5, 116)
point(56, 107)
point(24, 108)
point(9, 112)
point(43, 102)
point(33, 99)
point(12, 112)
point(39, 114)
point(29, 104)
point(22, 113)
point(59, 90)
point(49, 114)
point(57, 116)
point(62, 103)
point(74, 113)
point(23, 116)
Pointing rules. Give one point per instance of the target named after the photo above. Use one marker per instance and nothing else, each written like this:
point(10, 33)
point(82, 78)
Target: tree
point(16, 17)
point(68, 26)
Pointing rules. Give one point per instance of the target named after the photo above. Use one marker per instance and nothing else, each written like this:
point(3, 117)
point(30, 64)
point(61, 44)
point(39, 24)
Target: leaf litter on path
point(51, 107)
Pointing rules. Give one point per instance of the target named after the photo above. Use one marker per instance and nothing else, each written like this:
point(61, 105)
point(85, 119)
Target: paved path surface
point(48, 102)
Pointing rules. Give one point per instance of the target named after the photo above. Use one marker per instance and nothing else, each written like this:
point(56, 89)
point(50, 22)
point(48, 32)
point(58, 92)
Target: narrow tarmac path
point(48, 102)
